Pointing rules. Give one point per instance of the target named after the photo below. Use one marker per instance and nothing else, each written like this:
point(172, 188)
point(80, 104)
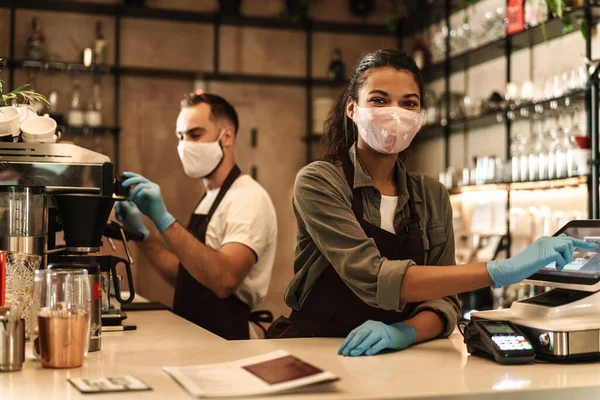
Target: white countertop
point(439, 369)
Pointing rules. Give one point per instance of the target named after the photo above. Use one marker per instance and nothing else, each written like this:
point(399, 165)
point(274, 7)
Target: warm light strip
point(554, 184)
point(540, 185)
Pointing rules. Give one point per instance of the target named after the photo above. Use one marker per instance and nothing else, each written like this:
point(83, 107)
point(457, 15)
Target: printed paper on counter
point(273, 372)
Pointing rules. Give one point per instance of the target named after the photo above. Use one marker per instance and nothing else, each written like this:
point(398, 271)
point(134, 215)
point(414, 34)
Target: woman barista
point(375, 242)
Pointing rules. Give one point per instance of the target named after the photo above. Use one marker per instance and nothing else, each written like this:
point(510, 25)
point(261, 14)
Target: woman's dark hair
point(340, 130)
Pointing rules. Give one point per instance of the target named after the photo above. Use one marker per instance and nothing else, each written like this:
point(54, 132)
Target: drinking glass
point(20, 268)
point(61, 317)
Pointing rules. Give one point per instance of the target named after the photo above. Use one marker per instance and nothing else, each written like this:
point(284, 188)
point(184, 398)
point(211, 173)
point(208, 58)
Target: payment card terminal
point(500, 340)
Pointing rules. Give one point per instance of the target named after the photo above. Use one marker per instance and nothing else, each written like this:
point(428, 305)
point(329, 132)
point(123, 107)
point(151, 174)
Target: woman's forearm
point(427, 324)
point(421, 283)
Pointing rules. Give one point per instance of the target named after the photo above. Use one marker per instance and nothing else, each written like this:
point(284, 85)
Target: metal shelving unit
point(505, 47)
point(307, 25)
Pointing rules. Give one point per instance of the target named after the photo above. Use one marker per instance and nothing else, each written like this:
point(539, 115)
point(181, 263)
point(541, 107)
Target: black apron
point(331, 309)
point(193, 301)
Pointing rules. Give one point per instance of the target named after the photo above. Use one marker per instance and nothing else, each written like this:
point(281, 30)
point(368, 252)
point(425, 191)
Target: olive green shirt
point(329, 233)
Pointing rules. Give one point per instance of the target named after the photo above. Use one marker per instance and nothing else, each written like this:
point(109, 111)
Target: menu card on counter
point(273, 372)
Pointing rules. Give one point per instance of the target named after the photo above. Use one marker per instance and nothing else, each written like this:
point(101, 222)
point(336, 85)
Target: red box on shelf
point(515, 15)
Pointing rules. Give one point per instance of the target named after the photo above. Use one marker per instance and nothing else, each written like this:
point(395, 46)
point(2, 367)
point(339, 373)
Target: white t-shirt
point(388, 211)
point(246, 215)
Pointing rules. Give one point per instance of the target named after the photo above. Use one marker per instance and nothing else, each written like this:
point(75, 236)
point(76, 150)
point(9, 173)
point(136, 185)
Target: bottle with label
point(93, 116)
point(337, 69)
point(99, 45)
point(36, 46)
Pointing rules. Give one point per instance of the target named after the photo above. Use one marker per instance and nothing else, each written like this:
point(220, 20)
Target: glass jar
point(516, 151)
point(60, 317)
point(581, 153)
point(562, 147)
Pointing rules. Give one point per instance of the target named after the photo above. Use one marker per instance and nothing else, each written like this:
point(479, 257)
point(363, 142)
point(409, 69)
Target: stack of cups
point(39, 130)
point(10, 122)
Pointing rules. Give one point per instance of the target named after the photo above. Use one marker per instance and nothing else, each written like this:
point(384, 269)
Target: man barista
point(221, 265)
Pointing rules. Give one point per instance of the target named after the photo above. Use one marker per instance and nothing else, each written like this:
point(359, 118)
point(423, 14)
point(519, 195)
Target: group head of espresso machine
point(57, 192)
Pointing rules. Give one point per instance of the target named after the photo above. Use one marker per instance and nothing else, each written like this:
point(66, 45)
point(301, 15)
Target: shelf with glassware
point(471, 47)
point(556, 148)
point(517, 103)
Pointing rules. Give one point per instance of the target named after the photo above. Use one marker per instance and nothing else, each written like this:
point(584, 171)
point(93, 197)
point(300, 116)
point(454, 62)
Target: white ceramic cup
point(38, 128)
point(45, 140)
point(10, 119)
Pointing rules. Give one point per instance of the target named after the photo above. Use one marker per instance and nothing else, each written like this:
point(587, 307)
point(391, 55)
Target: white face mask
point(200, 159)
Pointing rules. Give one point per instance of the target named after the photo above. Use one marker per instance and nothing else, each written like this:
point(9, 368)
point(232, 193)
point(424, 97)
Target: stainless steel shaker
point(12, 343)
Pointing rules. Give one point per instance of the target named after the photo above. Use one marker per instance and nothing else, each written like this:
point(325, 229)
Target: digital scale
point(562, 324)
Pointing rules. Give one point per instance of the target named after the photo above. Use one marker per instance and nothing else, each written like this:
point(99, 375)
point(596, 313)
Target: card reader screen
point(586, 263)
point(497, 328)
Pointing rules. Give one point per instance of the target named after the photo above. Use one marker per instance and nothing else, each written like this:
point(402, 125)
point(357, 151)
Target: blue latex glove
point(544, 251)
point(130, 216)
point(146, 196)
point(373, 336)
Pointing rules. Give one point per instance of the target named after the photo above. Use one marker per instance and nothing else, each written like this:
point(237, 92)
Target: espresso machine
point(60, 190)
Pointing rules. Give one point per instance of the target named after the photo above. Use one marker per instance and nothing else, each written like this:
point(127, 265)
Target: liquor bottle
point(36, 48)
point(336, 67)
point(93, 117)
point(99, 45)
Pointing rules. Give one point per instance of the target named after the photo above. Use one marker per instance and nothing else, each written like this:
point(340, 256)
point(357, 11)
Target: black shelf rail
point(77, 130)
point(197, 17)
point(73, 67)
point(497, 48)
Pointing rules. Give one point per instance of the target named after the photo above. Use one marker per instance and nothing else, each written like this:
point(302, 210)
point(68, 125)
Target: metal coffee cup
point(12, 343)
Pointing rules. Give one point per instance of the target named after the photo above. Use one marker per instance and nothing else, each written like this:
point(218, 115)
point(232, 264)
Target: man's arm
point(220, 271)
point(161, 258)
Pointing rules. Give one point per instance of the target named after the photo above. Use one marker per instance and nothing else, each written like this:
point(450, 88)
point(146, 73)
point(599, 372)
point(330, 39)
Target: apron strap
point(357, 198)
point(411, 202)
point(231, 177)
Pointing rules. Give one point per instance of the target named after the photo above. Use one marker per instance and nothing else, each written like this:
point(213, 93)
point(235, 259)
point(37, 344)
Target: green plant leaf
point(466, 19)
point(585, 29)
point(544, 32)
point(390, 22)
point(567, 25)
